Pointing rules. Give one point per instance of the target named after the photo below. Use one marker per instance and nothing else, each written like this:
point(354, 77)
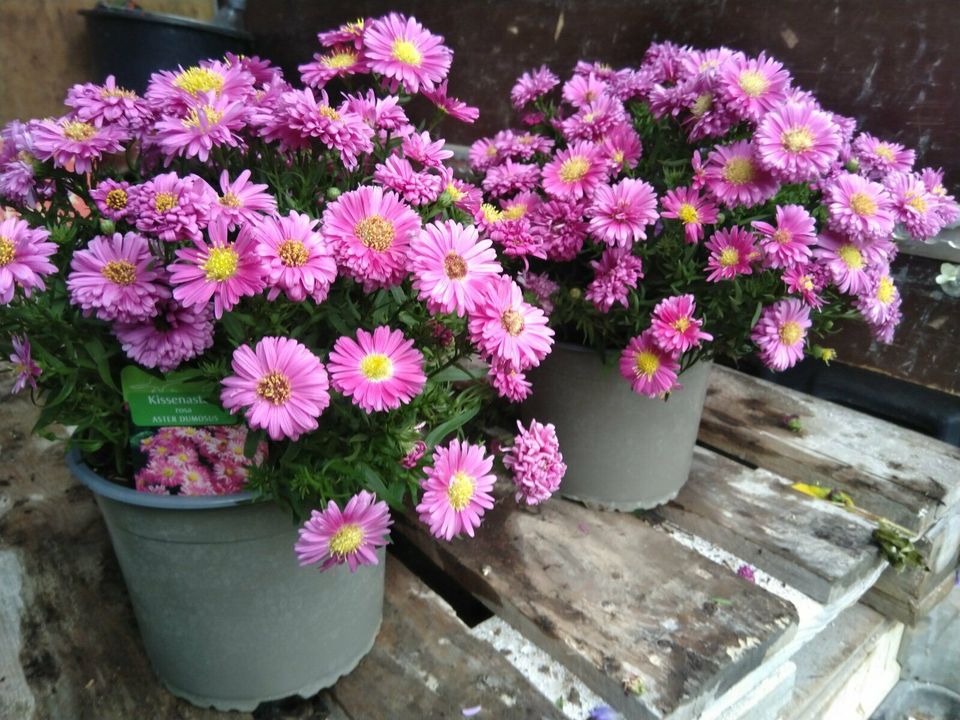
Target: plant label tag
point(171, 401)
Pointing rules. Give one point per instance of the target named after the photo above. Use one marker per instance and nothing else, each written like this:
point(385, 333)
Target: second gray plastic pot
point(623, 451)
point(228, 617)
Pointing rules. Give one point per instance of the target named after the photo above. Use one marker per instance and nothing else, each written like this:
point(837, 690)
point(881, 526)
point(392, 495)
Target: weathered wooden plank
point(426, 664)
point(617, 601)
point(899, 474)
point(814, 546)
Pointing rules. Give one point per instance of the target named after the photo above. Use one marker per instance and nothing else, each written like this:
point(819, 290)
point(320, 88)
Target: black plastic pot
point(131, 44)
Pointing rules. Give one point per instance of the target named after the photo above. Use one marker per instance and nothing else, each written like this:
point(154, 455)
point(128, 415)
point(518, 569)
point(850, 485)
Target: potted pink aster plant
point(701, 205)
point(237, 290)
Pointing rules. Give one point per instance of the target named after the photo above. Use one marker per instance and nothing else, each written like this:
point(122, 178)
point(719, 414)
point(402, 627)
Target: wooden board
point(899, 474)
point(813, 546)
point(615, 600)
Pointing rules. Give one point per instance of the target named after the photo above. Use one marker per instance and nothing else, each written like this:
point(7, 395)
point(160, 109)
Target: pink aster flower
point(674, 327)
point(350, 33)
point(308, 117)
point(732, 253)
point(595, 120)
point(242, 201)
point(412, 458)
point(532, 85)
point(858, 207)
point(370, 230)
point(223, 270)
point(172, 208)
point(400, 49)
point(505, 327)
point(451, 106)
point(117, 279)
point(541, 286)
point(574, 172)
point(734, 177)
point(517, 236)
point(651, 370)
point(352, 536)
point(878, 158)
point(582, 90)
point(384, 115)
point(797, 142)
point(379, 371)
point(807, 281)
point(614, 275)
point(24, 258)
point(113, 199)
point(483, 154)
point(563, 228)
point(509, 382)
point(751, 87)
point(788, 242)
point(176, 335)
point(780, 333)
point(174, 91)
point(339, 61)
point(690, 208)
point(880, 300)
point(536, 462)
point(295, 257)
point(23, 365)
point(621, 148)
point(281, 386)
point(74, 144)
point(510, 177)
point(417, 188)
point(620, 213)
point(421, 148)
point(452, 266)
point(207, 123)
point(847, 261)
point(914, 205)
point(457, 489)
point(108, 104)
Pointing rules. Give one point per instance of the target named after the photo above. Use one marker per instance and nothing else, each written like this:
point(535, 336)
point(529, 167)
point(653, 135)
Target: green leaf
point(254, 438)
point(451, 425)
point(99, 355)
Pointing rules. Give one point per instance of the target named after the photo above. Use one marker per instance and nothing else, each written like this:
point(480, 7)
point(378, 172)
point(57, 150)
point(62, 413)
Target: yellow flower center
point(406, 52)
point(862, 204)
point(753, 83)
point(917, 203)
point(791, 333)
point(375, 233)
point(681, 324)
point(885, 290)
point(118, 92)
point(454, 193)
point(525, 139)
point(828, 354)
point(339, 60)
point(490, 213)
point(491, 151)
point(729, 256)
point(347, 540)
point(120, 272)
point(164, 201)
point(274, 388)
point(647, 363)
point(196, 80)
point(516, 211)
point(454, 266)
point(376, 367)
point(688, 214)
point(574, 168)
point(619, 158)
point(293, 253)
point(702, 104)
point(797, 140)
point(221, 263)
point(884, 151)
point(850, 256)
point(806, 282)
point(939, 190)
point(7, 251)
point(460, 492)
point(117, 199)
point(211, 116)
point(79, 131)
point(782, 236)
point(512, 322)
point(329, 113)
point(230, 200)
point(739, 170)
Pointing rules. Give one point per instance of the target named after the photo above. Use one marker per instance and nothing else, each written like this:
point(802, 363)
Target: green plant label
point(163, 402)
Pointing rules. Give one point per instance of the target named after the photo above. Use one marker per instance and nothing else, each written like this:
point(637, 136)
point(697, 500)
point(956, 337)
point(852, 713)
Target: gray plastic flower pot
point(228, 617)
point(623, 451)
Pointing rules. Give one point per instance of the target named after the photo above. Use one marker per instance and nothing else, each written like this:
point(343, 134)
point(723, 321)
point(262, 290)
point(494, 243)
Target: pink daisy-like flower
point(457, 489)
point(880, 299)
point(574, 172)
point(505, 327)
point(541, 286)
point(296, 259)
point(176, 335)
point(536, 462)
point(561, 224)
point(308, 117)
point(352, 536)
point(509, 382)
point(582, 90)
point(914, 205)
point(858, 207)
point(797, 142)
point(23, 365)
point(690, 208)
point(208, 123)
point(732, 253)
point(175, 91)
point(242, 201)
point(751, 87)
point(24, 258)
point(281, 386)
point(451, 106)
point(651, 370)
point(595, 120)
point(622, 148)
point(878, 158)
point(674, 327)
point(74, 144)
point(223, 270)
point(510, 177)
point(517, 236)
point(452, 266)
point(370, 230)
point(614, 275)
point(620, 213)
point(113, 199)
point(699, 171)
point(788, 242)
point(532, 85)
point(379, 371)
point(846, 260)
point(421, 148)
point(412, 458)
point(400, 49)
point(807, 281)
point(483, 154)
point(116, 278)
point(734, 177)
point(780, 333)
point(384, 115)
point(108, 104)
point(172, 208)
point(350, 33)
point(340, 61)
point(417, 188)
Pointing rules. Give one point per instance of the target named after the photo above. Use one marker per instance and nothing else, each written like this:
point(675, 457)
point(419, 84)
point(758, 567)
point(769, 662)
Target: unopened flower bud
point(107, 226)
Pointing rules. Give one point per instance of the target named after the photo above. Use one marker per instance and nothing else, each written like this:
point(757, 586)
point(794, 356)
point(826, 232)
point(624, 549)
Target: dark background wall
point(892, 64)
